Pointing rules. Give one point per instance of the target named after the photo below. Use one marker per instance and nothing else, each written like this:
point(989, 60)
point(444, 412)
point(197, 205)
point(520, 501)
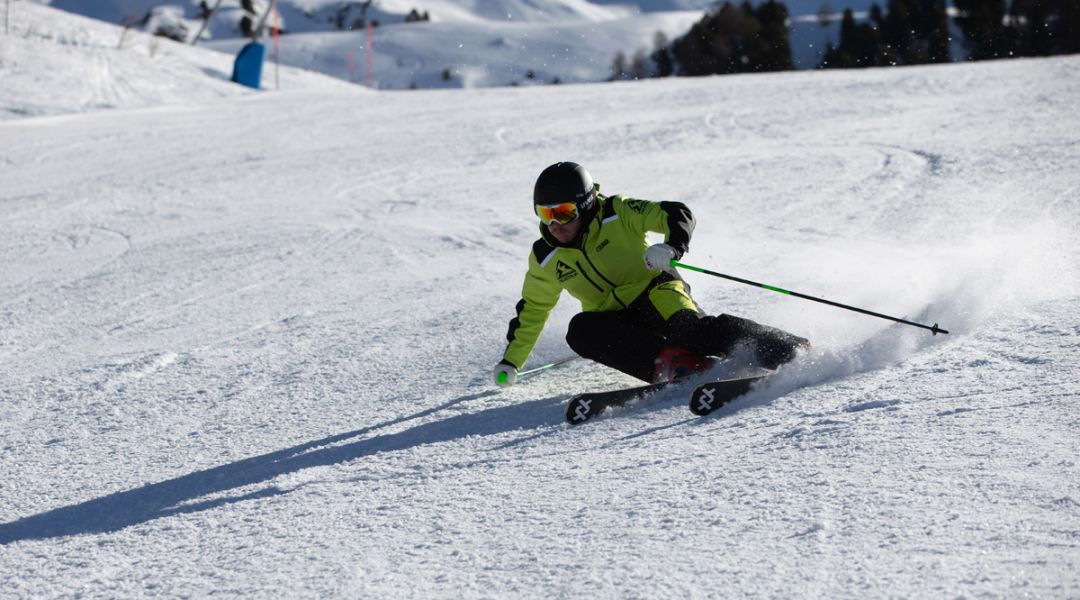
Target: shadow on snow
point(154, 501)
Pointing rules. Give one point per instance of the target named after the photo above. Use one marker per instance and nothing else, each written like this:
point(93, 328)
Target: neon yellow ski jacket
point(604, 268)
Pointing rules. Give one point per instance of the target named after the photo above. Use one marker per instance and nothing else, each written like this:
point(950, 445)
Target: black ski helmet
point(565, 182)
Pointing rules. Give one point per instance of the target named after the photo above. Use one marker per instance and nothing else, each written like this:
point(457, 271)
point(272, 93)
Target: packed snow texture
point(246, 341)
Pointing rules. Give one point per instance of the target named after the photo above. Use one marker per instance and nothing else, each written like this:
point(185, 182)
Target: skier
point(638, 315)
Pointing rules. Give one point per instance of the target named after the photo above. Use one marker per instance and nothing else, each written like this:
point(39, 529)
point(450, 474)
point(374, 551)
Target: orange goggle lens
point(557, 213)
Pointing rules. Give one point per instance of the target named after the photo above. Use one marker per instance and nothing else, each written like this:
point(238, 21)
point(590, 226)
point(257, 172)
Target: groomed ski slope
point(245, 346)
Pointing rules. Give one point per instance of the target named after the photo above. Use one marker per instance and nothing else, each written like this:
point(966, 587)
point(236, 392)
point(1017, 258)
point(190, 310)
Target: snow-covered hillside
point(465, 44)
point(53, 62)
point(305, 16)
point(471, 55)
point(246, 341)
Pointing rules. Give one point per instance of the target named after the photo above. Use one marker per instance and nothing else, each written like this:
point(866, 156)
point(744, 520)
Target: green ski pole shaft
point(547, 366)
point(934, 328)
point(540, 369)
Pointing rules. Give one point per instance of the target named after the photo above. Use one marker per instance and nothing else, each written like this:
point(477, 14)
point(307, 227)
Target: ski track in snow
point(246, 347)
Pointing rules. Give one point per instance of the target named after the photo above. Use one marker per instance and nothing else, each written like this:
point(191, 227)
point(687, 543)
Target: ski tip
point(580, 410)
point(708, 397)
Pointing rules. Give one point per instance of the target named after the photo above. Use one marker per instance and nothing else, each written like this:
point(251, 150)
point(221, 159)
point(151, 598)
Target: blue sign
point(247, 70)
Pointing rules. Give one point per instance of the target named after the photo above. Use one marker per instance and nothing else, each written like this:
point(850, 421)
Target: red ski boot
point(675, 363)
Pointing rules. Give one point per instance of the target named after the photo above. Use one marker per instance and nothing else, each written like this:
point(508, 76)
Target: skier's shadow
point(182, 494)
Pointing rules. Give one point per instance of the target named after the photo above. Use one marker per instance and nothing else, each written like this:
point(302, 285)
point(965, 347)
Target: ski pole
point(502, 376)
point(935, 329)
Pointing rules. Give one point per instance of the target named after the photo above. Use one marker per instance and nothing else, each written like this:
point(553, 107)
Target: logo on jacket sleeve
point(564, 271)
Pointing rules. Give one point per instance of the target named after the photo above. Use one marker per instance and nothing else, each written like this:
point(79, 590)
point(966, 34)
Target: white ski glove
point(505, 374)
point(659, 256)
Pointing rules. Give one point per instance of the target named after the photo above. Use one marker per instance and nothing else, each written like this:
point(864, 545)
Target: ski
point(584, 407)
point(705, 398)
point(708, 397)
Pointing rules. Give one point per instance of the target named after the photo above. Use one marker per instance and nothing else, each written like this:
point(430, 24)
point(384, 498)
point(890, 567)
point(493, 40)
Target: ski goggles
point(557, 213)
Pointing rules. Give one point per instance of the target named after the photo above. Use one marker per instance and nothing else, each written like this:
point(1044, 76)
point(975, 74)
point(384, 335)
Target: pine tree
point(639, 66)
point(618, 67)
point(983, 24)
point(1067, 28)
point(661, 56)
point(916, 32)
point(730, 39)
point(774, 45)
point(859, 46)
point(717, 44)
point(876, 16)
point(934, 30)
point(1046, 27)
point(896, 32)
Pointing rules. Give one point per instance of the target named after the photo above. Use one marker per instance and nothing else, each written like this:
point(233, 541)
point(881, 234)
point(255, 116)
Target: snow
point(56, 63)
point(487, 43)
point(471, 55)
point(246, 338)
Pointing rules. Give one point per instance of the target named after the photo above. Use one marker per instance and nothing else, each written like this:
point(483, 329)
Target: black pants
point(630, 339)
